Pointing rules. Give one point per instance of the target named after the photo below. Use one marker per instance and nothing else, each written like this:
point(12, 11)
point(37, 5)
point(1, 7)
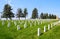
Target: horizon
point(45, 6)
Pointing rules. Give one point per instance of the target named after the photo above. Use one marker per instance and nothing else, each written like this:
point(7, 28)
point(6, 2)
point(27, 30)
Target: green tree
point(45, 15)
point(51, 16)
point(7, 12)
point(35, 13)
point(25, 13)
point(19, 13)
point(41, 15)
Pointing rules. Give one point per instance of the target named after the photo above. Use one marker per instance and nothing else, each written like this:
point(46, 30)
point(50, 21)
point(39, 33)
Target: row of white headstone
point(39, 31)
point(25, 24)
point(49, 27)
point(18, 26)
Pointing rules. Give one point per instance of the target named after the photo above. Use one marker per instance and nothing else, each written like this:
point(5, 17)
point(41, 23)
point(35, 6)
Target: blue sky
point(46, 6)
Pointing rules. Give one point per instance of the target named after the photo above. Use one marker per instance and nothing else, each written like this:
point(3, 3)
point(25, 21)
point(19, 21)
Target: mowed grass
point(30, 32)
point(54, 33)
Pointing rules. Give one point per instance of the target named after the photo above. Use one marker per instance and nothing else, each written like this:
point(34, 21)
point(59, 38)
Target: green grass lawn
point(54, 33)
point(30, 32)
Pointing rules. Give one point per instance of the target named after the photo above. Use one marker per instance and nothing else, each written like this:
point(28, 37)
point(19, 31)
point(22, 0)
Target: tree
point(41, 15)
point(53, 16)
point(35, 13)
point(19, 13)
point(45, 15)
point(7, 13)
point(25, 12)
point(49, 16)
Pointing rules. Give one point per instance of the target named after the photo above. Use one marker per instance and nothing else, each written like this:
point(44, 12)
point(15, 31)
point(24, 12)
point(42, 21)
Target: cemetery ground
point(28, 29)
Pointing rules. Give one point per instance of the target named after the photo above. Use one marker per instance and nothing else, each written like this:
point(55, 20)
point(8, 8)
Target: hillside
point(8, 29)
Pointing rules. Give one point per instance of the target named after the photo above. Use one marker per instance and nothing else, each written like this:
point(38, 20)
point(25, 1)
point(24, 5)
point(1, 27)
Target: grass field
point(30, 32)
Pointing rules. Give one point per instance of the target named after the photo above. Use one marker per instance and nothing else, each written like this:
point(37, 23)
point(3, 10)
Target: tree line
point(7, 13)
point(47, 16)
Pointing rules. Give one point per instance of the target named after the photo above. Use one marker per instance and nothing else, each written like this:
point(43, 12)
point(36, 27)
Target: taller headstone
point(8, 25)
point(25, 25)
point(3, 23)
point(18, 27)
point(48, 27)
point(15, 23)
point(38, 32)
point(44, 28)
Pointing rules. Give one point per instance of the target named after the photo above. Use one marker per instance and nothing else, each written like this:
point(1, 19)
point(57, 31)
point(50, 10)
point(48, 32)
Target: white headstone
point(48, 27)
point(8, 25)
point(18, 27)
point(3, 23)
point(15, 23)
point(44, 28)
point(38, 32)
point(25, 25)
